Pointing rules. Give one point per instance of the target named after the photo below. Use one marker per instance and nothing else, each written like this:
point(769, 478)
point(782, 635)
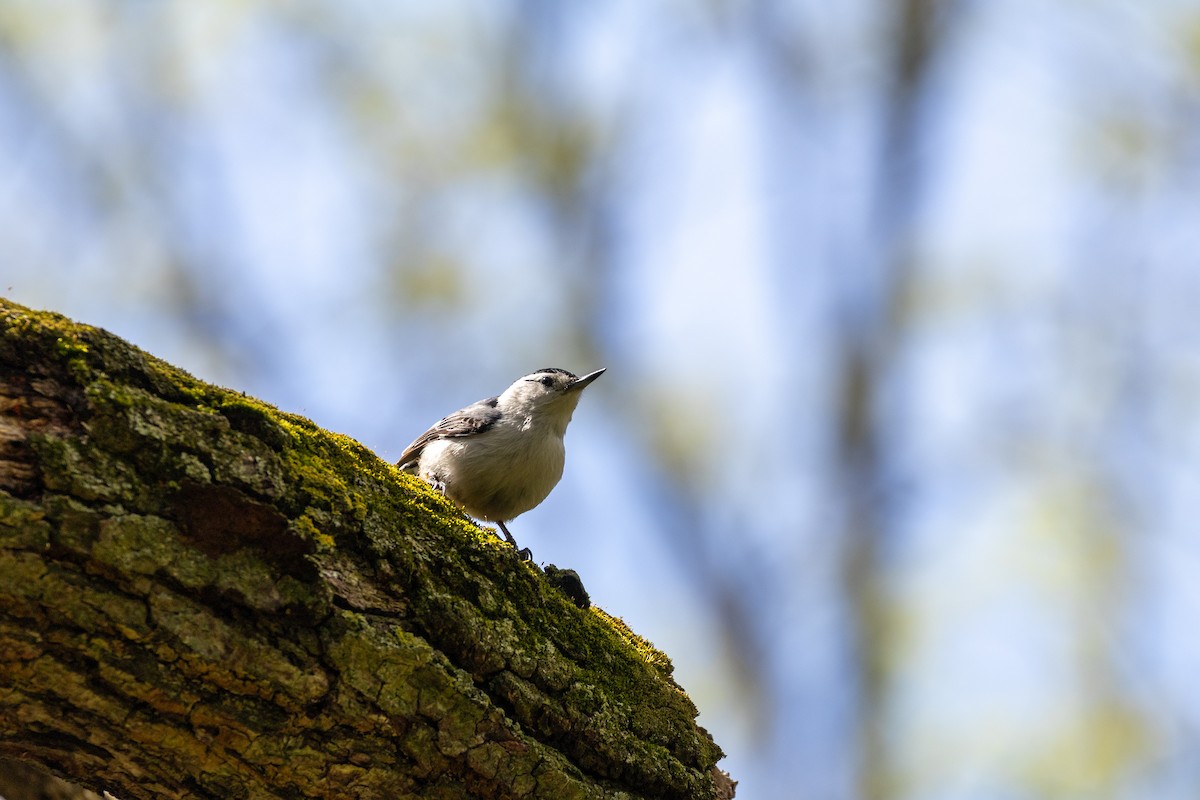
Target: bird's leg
point(507, 535)
point(524, 552)
point(439, 485)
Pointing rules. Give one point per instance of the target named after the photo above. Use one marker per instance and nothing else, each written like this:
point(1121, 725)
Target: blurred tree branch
point(872, 330)
point(205, 597)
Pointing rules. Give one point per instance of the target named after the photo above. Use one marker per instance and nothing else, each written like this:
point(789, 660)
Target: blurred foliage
point(899, 296)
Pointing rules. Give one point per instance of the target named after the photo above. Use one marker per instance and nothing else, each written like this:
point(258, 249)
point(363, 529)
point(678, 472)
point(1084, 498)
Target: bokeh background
point(898, 453)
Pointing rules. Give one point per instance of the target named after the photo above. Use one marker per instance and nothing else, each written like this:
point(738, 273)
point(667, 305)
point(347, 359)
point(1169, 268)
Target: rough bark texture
point(24, 780)
point(204, 597)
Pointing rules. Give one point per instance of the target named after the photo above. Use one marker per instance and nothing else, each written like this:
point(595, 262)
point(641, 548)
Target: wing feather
point(474, 419)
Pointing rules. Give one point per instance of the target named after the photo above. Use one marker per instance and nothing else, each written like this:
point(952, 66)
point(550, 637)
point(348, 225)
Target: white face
point(543, 387)
point(551, 380)
point(548, 389)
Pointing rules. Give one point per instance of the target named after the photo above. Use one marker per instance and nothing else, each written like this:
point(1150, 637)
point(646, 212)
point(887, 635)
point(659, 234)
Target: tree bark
point(24, 780)
point(204, 597)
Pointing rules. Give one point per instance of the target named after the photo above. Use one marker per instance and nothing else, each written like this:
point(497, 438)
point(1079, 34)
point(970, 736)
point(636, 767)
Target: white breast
point(498, 474)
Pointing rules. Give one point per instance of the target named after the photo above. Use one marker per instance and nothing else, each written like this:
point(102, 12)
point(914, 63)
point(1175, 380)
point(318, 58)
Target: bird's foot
point(524, 553)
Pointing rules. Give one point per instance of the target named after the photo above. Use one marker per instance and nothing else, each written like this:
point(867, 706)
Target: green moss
point(246, 666)
point(27, 576)
point(379, 663)
point(75, 524)
point(23, 573)
point(55, 337)
point(88, 473)
point(642, 646)
point(22, 524)
point(477, 626)
point(253, 418)
point(421, 746)
point(144, 545)
point(560, 783)
point(69, 348)
point(307, 529)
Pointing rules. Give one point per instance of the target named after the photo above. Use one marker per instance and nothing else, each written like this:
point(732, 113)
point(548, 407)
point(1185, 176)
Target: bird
point(500, 457)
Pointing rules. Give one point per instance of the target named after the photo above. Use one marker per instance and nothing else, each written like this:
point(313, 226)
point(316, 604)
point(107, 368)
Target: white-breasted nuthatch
point(500, 457)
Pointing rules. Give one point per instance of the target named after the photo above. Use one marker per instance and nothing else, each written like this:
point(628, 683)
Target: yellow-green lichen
point(22, 524)
point(448, 626)
point(69, 348)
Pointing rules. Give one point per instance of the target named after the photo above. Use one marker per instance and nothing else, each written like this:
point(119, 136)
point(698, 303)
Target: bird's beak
point(585, 380)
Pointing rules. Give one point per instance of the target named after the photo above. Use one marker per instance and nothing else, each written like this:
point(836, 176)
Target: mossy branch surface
point(204, 597)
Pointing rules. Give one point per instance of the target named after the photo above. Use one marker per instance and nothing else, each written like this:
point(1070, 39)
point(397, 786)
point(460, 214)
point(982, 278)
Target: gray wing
point(475, 418)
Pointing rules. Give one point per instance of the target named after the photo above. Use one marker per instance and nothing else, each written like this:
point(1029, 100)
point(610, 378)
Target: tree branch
point(204, 597)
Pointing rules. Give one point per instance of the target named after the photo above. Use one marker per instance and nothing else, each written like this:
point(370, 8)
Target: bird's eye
point(547, 381)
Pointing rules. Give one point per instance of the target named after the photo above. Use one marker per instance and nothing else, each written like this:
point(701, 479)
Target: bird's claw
point(524, 553)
